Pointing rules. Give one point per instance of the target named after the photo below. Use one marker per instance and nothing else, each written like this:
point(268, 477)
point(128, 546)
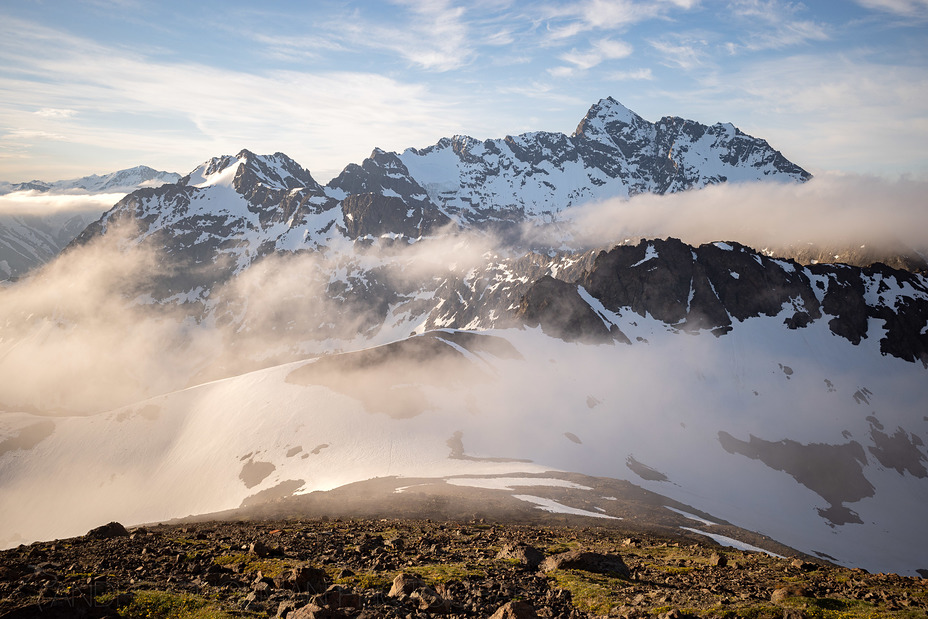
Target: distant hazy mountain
point(126, 180)
point(29, 238)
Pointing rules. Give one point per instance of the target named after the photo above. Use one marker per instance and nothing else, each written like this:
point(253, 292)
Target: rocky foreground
point(419, 569)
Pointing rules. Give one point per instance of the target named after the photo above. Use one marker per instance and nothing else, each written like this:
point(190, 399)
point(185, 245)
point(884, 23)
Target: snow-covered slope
point(798, 435)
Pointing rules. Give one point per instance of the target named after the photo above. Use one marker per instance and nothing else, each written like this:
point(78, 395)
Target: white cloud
point(41, 204)
point(22, 135)
point(605, 15)
point(840, 112)
point(902, 8)
point(636, 74)
point(323, 119)
point(435, 35)
point(600, 51)
point(830, 210)
point(48, 112)
point(771, 24)
point(682, 51)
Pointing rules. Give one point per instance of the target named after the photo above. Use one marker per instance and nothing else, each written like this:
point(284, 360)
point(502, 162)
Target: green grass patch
point(168, 605)
point(367, 580)
point(592, 593)
point(560, 546)
point(758, 611)
point(672, 569)
point(268, 566)
point(832, 608)
point(436, 573)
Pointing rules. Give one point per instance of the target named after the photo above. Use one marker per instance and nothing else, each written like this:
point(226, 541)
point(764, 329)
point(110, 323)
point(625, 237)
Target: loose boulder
point(113, 529)
point(526, 555)
point(515, 610)
point(588, 562)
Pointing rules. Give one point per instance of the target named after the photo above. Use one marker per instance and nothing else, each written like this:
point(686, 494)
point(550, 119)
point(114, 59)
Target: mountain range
point(124, 181)
point(246, 335)
point(38, 219)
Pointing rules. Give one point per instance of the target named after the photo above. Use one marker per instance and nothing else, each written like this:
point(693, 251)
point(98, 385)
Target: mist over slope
point(504, 307)
point(38, 219)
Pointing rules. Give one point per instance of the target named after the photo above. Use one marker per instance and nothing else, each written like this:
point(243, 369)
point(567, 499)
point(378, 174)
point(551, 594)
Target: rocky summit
point(350, 568)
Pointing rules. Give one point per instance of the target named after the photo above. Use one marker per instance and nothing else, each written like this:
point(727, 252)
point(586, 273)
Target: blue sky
point(92, 86)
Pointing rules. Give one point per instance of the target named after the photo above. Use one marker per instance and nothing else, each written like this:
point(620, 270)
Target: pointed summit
point(603, 115)
point(246, 169)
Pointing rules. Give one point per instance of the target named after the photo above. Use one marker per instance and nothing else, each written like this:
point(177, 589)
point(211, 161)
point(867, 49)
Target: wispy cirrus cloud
point(912, 9)
point(434, 35)
point(568, 20)
point(50, 112)
point(682, 51)
point(598, 52)
point(772, 24)
point(635, 74)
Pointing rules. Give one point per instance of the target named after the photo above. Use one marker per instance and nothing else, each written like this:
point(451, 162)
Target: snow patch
point(733, 543)
point(554, 507)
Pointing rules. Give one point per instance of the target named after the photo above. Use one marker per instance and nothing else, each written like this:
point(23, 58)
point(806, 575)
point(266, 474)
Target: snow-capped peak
point(246, 170)
point(605, 114)
point(215, 171)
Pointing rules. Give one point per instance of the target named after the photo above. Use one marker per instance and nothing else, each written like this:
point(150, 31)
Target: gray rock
point(526, 555)
point(113, 529)
point(403, 585)
point(588, 562)
point(787, 592)
point(515, 610)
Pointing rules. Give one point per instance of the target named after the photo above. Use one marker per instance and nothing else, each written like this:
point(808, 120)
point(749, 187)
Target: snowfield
point(539, 405)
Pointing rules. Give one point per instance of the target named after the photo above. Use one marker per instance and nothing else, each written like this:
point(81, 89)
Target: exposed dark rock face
point(560, 310)
point(371, 214)
point(697, 288)
point(708, 288)
point(844, 300)
point(644, 471)
point(899, 451)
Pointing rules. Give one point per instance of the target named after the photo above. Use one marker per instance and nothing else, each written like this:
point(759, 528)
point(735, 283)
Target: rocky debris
point(340, 569)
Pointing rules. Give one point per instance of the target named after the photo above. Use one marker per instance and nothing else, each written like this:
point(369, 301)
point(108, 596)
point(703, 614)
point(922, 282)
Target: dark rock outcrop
point(710, 287)
point(560, 310)
point(107, 531)
point(587, 562)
